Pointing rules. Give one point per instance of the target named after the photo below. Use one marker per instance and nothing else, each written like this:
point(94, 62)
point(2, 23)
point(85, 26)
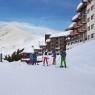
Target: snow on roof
point(72, 25)
point(79, 6)
point(56, 35)
point(48, 40)
point(85, 0)
point(66, 33)
point(76, 17)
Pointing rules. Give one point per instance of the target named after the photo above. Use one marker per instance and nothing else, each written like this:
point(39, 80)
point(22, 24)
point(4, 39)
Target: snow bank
point(78, 79)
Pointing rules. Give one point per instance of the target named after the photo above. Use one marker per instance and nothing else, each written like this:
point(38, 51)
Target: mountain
point(14, 35)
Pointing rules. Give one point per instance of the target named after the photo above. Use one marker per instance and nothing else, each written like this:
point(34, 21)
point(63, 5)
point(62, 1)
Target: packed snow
point(78, 78)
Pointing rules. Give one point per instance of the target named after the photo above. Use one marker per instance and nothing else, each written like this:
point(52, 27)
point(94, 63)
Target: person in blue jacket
point(35, 59)
point(31, 58)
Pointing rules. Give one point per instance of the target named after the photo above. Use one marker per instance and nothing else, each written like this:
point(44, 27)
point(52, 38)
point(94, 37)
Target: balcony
point(76, 17)
point(71, 26)
point(81, 6)
point(84, 21)
point(84, 28)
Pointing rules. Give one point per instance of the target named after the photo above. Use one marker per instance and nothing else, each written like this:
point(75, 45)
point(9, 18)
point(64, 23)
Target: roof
point(76, 17)
point(85, 0)
point(72, 25)
point(79, 6)
point(66, 33)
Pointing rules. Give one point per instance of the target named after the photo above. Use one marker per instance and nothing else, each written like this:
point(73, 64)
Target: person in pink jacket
point(45, 58)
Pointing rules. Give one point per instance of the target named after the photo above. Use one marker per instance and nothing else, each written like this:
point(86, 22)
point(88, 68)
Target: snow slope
point(14, 35)
point(78, 79)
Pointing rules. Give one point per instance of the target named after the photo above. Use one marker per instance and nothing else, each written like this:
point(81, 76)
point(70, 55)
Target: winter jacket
point(54, 53)
point(63, 54)
point(45, 54)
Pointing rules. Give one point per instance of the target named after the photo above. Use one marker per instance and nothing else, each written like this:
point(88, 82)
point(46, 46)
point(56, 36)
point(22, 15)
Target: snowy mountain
point(77, 79)
point(14, 35)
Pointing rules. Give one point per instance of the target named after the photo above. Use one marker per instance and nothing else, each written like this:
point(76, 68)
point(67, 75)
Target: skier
point(31, 58)
point(35, 59)
point(63, 58)
point(54, 56)
point(1, 57)
point(45, 58)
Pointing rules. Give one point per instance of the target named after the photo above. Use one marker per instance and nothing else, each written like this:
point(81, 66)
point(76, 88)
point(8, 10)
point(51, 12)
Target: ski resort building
point(91, 19)
point(79, 24)
point(81, 29)
point(83, 23)
point(56, 41)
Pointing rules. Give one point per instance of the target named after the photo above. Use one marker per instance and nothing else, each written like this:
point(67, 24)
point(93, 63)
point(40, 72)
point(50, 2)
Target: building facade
point(57, 42)
point(84, 22)
point(90, 19)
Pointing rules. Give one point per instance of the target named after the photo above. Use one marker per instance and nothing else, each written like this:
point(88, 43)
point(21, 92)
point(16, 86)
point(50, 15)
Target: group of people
point(62, 54)
point(45, 58)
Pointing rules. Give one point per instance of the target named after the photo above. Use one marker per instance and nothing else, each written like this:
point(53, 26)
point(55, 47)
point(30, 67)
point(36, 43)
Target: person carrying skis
point(45, 58)
point(54, 56)
point(63, 58)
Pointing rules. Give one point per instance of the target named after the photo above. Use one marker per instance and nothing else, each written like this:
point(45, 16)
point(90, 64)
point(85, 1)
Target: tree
point(15, 56)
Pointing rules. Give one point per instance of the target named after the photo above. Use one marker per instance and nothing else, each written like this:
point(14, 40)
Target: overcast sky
point(55, 14)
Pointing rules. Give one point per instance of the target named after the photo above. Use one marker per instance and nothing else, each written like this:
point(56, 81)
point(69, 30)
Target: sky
point(54, 14)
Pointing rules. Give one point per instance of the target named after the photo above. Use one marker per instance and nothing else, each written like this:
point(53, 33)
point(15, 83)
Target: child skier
point(35, 59)
point(45, 58)
point(63, 58)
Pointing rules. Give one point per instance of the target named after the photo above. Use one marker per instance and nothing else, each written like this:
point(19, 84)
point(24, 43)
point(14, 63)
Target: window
point(92, 26)
point(88, 19)
point(89, 28)
point(92, 35)
point(92, 17)
point(88, 11)
point(92, 7)
point(88, 37)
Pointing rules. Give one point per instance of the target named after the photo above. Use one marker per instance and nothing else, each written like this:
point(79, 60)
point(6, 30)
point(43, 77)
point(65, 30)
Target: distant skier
point(45, 58)
point(31, 58)
point(63, 58)
point(54, 56)
point(1, 57)
point(35, 59)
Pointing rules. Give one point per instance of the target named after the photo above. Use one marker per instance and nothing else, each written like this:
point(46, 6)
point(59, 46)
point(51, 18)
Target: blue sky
point(55, 14)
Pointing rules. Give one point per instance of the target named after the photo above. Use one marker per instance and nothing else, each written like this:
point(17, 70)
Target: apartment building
point(82, 20)
point(56, 41)
point(90, 19)
point(79, 24)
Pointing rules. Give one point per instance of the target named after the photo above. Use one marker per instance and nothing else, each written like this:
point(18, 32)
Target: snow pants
point(63, 61)
point(45, 61)
point(54, 61)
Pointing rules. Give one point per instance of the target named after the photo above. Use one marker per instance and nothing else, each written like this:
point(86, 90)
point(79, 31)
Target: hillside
point(14, 35)
point(78, 79)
